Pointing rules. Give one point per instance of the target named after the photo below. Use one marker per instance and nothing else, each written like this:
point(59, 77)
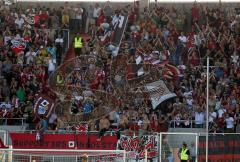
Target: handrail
point(182, 121)
point(6, 120)
point(204, 133)
point(13, 118)
point(56, 132)
point(28, 65)
point(49, 131)
point(89, 132)
point(61, 150)
point(110, 132)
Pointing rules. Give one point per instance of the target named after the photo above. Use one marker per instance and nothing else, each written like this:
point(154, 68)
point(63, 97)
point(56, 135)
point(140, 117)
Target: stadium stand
point(141, 71)
point(31, 49)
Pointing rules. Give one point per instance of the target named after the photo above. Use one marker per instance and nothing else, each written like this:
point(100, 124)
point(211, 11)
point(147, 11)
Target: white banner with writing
point(158, 92)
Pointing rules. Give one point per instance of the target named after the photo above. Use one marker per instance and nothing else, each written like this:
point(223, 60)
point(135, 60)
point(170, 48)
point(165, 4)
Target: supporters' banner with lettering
point(136, 147)
point(222, 147)
point(159, 92)
point(63, 141)
point(119, 27)
point(44, 105)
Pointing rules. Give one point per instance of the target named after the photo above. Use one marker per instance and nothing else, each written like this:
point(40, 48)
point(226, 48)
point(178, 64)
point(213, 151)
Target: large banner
point(159, 92)
point(222, 147)
point(114, 38)
point(136, 147)
point(119, 29)
point(44, 105)
point(63, 141)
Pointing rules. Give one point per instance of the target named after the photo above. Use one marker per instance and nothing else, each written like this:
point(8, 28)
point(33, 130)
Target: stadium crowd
point(32, 45)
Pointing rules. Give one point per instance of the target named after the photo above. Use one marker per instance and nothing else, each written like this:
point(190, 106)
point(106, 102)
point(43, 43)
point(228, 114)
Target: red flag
point(44, 105)
point(18, 49)
point(82, 128)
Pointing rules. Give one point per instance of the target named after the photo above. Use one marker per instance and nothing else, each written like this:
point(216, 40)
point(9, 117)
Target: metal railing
point(173, 139)
point(56, 155)
point(12, 121)
point(180, 124)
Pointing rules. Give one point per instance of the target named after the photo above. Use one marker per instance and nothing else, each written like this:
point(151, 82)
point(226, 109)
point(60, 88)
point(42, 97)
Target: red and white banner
point(136, 147)
point(32, 20)
point(63, 141)
point(221, 147)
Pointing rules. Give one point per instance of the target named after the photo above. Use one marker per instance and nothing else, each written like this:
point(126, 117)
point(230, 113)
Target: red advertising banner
point(222, 147)
point(63, 141)
point(135, 146)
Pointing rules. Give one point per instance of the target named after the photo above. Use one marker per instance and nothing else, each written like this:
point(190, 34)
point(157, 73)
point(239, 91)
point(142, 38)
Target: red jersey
point(195, 13)
point(100, 75)
point(100, 19)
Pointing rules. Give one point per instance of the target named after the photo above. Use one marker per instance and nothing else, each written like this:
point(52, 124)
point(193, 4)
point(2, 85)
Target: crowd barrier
point(13, 121)
point(156, 146)
point(172, 123)
point(183, 124)
point(50, 155)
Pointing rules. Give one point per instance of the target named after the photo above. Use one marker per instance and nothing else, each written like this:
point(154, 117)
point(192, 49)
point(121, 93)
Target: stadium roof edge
point(128, 1)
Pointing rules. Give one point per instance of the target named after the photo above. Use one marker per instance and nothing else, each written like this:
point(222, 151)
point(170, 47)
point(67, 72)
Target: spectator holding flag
point(41, 127)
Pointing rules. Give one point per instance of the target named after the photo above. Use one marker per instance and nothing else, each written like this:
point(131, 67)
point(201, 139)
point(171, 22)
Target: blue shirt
point(44, 124)
point(52, 51)
point(219, 73)
point(87, 107)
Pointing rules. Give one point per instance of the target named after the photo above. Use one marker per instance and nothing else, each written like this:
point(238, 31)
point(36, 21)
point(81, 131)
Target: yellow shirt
point(65, 19)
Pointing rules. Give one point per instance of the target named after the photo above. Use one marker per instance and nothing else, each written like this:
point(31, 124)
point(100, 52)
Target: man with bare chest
point(104, 126)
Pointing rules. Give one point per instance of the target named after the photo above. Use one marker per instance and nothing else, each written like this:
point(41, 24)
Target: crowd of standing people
point(32, 44)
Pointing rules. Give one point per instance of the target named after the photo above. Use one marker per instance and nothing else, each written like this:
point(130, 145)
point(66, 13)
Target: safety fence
point(152, 147)
point(186, 124)
point(19, 155)
point(12, 121)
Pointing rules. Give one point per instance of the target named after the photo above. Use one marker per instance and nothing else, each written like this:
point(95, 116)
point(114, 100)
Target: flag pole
point(207, 109)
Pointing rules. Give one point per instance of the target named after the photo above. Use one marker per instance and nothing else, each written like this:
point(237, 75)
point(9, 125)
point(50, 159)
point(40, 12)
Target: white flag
point(158, 92)
point(138, 60)
point(140, 71)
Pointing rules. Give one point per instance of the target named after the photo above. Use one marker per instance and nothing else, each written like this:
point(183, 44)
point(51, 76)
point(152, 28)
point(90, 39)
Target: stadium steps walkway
point(69, 54)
